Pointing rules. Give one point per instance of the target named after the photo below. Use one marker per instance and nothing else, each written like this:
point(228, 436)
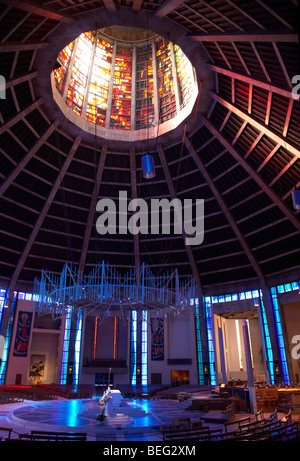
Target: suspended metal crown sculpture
point(105, 292)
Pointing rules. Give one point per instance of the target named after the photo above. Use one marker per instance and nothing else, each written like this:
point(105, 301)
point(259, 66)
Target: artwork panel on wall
point(157, 339)
point(22, 334)
point(37, 365)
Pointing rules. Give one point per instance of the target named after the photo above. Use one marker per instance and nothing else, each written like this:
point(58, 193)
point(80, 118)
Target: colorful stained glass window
point(165, 81)
point(80, 71)
point(63, 61)
point(144, 109)
point(116, 85)
point(185, 76)
point(99, 86)
point(121, 93)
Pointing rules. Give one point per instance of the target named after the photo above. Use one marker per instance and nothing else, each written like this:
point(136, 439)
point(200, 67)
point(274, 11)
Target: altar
point(115, 395)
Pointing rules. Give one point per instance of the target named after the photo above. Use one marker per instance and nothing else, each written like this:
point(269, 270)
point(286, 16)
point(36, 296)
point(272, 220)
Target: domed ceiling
point(238, 150)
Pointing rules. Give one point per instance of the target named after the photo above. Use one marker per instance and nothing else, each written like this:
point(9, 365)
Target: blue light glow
point(280, 336)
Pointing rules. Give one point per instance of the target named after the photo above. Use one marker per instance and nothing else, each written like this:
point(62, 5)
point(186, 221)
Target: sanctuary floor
point(134, 420)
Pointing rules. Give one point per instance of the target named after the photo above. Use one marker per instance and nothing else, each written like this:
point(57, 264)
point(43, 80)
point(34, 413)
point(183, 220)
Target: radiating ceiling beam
point(205, 18)
point(247, 167)
point(17, 25)
point(17, 46)
point(259, 126)
point(244, 13)
point(45, 209)
point(27, 157)
point(174, 196)
point(282, 65)
point(276, 15)
point(110, 5)
point(136, 6)
point(185, 18)
point(268, 108)
point(219, 13)
point(190, 255)
point(40, 10)
point(288, 118)
point(20, 79)
point(247, 37)
point(237, 232)
point(92, 209)
point(20, 115)
point(248, 251)
point(251, 80)
point(33, 235)
point(223, 207)
point(261, 61)
point(166, 7)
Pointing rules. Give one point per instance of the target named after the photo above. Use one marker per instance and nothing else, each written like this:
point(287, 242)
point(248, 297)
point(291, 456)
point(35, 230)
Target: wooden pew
point(273, 416)
point(8, 432)
point(279, 432)
point(287, 418)
point(291, 435)
point(67, 435)
point(247, 419)
point(253, 433)
point(252, 424)
point(274, 430)
point(188, 433)
point(48, 438)
point(54, 436)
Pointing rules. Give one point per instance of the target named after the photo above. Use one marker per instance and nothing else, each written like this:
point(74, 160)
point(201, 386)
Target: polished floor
point(134, 419)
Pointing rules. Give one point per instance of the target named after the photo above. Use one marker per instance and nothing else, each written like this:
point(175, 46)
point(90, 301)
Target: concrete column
point(222, 356)
point(251, 386)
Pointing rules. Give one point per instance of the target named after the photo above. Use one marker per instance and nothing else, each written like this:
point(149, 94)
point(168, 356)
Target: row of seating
point(20, 393)
point(47, 436)
point(44, 392)
point(259, 429)
point(67, 391)
point(6, 397)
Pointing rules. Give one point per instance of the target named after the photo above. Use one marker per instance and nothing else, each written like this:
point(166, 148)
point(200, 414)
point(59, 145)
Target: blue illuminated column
point(133, 347)
point(251, 385)
point(144, 352)
point(210, 338)
point(267, 342)
point(139, 348)
point(77, 352)
point(199, 345)
point(70, 367)
point(280, 337)
point(66, 344)
point(3, 365)
point(2, 301)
